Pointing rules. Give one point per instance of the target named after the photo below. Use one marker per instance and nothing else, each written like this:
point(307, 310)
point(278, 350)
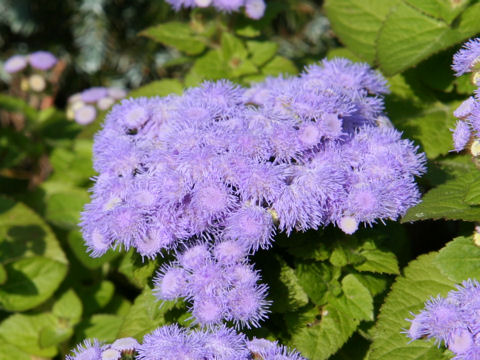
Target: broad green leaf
point(158, 88)
point(52, 336)
point(261, 51)
point(3, 275)
point(289, 295)
point(64, 208)
point(421, 280)
point(35, 264)
point(104, 327)
point(77, 245)
point(377, 260)
point(447, 201)
point(9, 352)
point(145, 315)
point(73, 164)
point(360, 301)
point(459, 259)
point(409, 36)
point(446, 10)
point(136, 269)
point(178, 35)
point(357, 23)
point(68, 307)
point(315, 279)
point(279, 65)
point(375, 283)
point(211, 66)
point(320, 339)
point(23, 331)
point(232, 47)
point(30, 282)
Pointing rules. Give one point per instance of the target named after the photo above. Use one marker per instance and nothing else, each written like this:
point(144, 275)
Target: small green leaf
point(64, 208)
point(211, 66)
point(421, 280)
point(178, 35)
point(52, 336)
point(158, 88)
point(377, 260)
point(279, 65)
point(3, 275)
point(232, 47)
point(23, 331)
point(136, 269)
point(360, 300)
point(289, 295)
point(261, 51)
point(69, 307)
point(447, 201)
point(315, 279)
point(145, 315)
point(104, 327)
point(9, 352)
point(459, 259)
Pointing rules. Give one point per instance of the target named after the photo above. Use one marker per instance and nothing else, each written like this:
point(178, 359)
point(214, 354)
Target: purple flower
point(89, 350)
point(15, 64)
point(94, 94)
point(268, 350)
point(255, 9)
point(465, 108)
point(42, 60)
point(461, 135)
point(467, 58)
point(85, 115)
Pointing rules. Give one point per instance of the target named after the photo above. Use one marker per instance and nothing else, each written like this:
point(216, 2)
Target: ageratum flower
point(454, 321)
point(467, 58)
point(42, 60)
point(94, 350)
point(15, 64)
point(230, 163)
point(254, 9)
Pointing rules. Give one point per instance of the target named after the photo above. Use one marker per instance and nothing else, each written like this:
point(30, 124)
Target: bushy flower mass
point(39, 60)
point(467, 129)
point(454, 320)
point(214, 173)
point(172, 342)
point(254, 9)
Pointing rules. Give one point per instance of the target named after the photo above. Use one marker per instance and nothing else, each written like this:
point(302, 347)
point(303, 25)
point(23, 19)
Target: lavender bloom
point(254, 9)
point(94, 94)
point(467, 58)
point(85, 115)
point(15, 64)
point(461, 135)
point(453, 320)
point(271, 350)
point(42, 60)
point(89, 350)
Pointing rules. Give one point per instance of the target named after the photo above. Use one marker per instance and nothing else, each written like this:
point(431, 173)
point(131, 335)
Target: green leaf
point(315, 279)
point(210, 66)
point(377, 260)
point(31, 256)
point(104, 327)
point(289, 295)
point(357, 23)
point(448, 201)
point(421, 280)
point(63, 208)
point(232, 47)
point(320, 339)
point(409, 36)
point(459, 260)
point(15, 104)
point(23, 331)
point(261, 51)
point(158, 88)
point(360, 299)
point(52, 336)
point(145, 315)
point(178, 35)
point(279, 65)
point(9, 351)
point(3, 275)
point(447, 10)
point(68, 307)
point(136, 269)
point(30, 282)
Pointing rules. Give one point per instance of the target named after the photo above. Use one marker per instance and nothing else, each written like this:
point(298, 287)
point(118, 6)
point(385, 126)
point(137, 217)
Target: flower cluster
point(94, 350)
point(39, 61)
point(254, 9)
point(172, 342)
point(467, 130)
point(454, 320)
point(218, 281)
point(229, 163)
point(83, 107)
